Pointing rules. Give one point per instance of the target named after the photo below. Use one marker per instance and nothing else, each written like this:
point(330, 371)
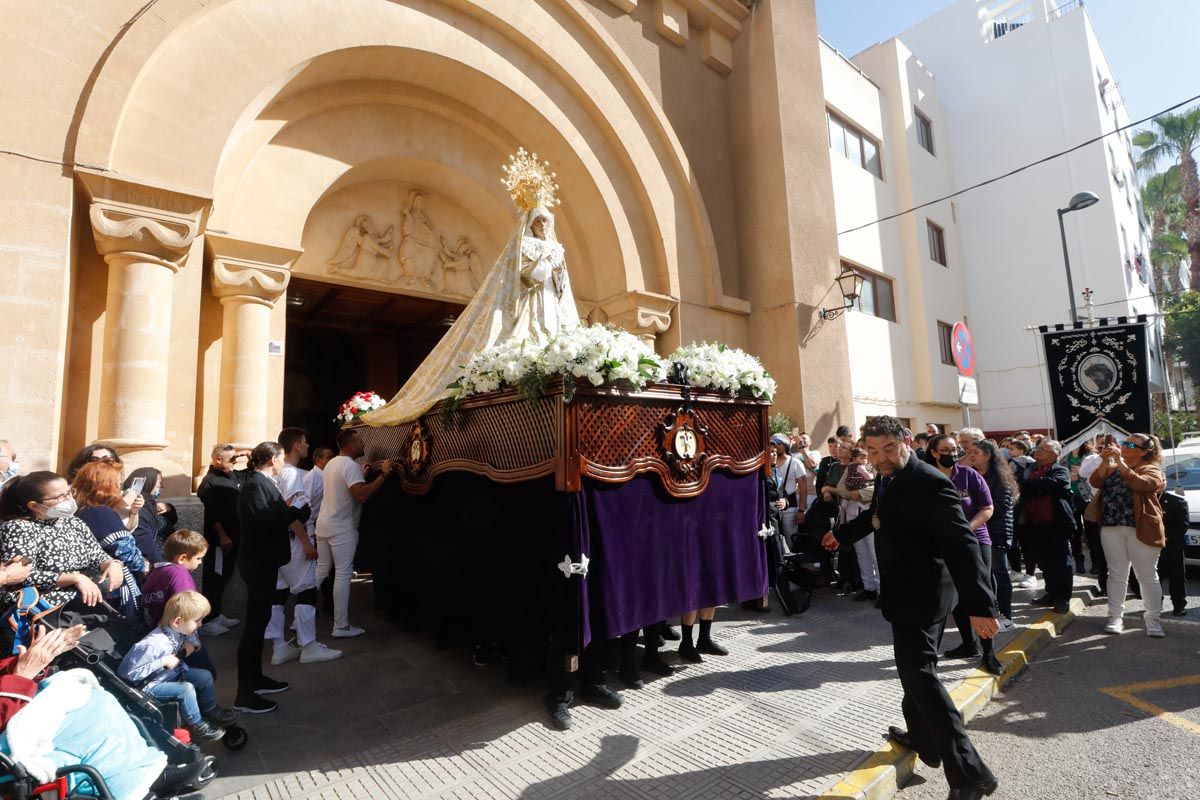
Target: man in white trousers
point(298, 576)
point(337, 529)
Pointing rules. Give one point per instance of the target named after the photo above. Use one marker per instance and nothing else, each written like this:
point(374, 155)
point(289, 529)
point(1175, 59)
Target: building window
point(878, 296)
point(924, 130)
point(937, 243)
point(850, 142)
point(944, 343)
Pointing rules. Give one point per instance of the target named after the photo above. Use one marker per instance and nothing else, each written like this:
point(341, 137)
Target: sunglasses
point(1133, 446)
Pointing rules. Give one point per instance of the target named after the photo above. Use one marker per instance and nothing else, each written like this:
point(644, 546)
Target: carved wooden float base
point(606, 434)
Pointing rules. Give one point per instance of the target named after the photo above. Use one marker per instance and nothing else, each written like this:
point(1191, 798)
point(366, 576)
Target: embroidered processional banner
point(1099, 380)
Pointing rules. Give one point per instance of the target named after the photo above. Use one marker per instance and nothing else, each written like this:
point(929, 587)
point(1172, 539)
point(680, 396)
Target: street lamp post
point(1081, 200)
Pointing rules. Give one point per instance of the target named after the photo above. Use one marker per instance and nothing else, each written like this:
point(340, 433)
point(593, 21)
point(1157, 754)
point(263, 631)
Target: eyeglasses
point(1133, 446)
point(58, 498)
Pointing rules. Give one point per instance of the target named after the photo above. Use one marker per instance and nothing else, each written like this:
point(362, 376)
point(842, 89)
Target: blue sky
point(1150, 44)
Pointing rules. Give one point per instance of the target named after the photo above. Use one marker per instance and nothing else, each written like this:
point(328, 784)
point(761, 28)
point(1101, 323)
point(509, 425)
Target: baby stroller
point(160, 721)
point(797, 568)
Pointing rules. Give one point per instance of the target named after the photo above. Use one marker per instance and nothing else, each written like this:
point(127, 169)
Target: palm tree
point(1175, 137)
point(1162, 195)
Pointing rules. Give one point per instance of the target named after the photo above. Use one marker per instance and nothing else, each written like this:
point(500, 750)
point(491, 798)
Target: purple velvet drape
point(486, 553)
point(654, 556)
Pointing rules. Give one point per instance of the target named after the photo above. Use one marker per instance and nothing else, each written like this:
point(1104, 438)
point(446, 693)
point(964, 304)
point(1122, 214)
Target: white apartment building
point(979, 89)
point(889, 151)
point(1021, 80)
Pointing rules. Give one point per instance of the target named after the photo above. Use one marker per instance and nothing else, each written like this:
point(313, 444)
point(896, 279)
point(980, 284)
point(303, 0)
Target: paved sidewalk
point(797, 703)
point(1096, 716)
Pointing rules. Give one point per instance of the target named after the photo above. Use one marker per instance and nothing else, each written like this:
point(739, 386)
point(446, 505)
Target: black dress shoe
point(560, 715)
point(964, 650)
point(866, 595)
point(709, 647)
point(670, 634)
point(601, 695)
point(630, 678)
point(1180, 611)
point(689, 653)
point(991, 664)
point(974, 792)
point(1044, 600)
point(901, 737)
point(657, 666)
point(1061, 608)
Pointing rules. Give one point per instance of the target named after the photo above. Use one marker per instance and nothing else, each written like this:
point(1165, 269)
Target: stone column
point(644, 314)
point(144, 233)
point(249, 278)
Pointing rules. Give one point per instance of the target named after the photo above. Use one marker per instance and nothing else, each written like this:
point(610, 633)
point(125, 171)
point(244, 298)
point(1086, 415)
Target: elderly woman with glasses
point(66, 562)
point(1127, 506)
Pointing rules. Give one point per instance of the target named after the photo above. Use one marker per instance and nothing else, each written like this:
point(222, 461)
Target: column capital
point(249, 271)
point(645, 314)
point(143, 221)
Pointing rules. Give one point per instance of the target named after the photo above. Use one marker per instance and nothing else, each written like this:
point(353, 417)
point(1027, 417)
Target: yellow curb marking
point(1128, 694)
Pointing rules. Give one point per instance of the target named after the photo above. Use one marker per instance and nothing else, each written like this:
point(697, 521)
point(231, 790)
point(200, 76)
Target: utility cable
point(1030, 165)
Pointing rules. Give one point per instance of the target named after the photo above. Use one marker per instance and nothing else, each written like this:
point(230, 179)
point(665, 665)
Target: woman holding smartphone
point(1126, 505)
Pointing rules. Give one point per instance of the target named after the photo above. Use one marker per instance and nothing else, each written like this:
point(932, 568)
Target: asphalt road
point(1056, 732)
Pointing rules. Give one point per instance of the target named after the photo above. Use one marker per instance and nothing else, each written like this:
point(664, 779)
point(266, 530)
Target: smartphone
point(137, 485)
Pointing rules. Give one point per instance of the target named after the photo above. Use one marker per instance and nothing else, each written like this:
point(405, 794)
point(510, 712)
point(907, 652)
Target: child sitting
point(153, 665)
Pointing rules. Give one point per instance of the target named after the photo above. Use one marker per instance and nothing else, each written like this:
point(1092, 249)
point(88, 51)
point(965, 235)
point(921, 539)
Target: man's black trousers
point(933, 722)
point(1054, 557)
point(260, 594)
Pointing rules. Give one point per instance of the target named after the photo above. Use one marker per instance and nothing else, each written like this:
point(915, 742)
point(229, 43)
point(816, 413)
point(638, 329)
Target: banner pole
point(1042, 380)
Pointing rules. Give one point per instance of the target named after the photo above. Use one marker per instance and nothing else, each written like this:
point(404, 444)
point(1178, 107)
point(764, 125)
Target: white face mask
point(64, 510)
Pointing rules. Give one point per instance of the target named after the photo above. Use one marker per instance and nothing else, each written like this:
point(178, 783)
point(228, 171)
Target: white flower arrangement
point(595, 354)
point(359, 404)
point(727, 369)
point(600, 354)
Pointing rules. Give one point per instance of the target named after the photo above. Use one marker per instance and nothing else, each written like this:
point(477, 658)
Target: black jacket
point(1057, 484)
point(1175, 516)
point(264, 518)
point(925, 549)
point(219, 494)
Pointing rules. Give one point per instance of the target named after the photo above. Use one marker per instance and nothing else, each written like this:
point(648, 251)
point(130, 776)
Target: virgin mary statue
point(527, 295)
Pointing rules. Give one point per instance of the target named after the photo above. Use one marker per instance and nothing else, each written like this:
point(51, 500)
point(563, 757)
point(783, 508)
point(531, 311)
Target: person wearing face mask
point(265, 519)
point(66, 562)
point(977, 506)
point(149, 524)
point(9, 468)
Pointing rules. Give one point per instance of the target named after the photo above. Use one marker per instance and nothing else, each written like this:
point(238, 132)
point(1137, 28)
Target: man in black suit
point(926, 550)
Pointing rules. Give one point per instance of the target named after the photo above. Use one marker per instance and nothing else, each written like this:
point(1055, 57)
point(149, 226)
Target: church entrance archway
point(343, 339)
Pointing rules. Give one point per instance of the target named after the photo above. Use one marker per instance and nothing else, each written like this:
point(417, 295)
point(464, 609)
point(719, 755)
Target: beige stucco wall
point(691, 164)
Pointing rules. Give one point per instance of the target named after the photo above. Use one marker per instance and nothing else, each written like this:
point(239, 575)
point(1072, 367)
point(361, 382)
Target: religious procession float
point(561, 481)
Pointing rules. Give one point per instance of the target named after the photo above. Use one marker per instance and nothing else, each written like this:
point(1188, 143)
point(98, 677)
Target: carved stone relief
point(421, 257)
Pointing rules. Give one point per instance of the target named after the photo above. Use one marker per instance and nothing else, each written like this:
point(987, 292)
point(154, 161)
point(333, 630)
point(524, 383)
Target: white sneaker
point(227, 622)
point(314, 652)
point(1007, 624)
point(284, 652)
point(348, 632)
point(214, 628)
point(1028, 582)
point(1154, 628)
point(1115, 625)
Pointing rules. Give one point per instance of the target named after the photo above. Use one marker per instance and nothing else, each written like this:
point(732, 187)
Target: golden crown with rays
point(530, 183)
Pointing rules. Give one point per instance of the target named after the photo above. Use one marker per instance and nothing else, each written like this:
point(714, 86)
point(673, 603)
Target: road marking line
point(1126, 694)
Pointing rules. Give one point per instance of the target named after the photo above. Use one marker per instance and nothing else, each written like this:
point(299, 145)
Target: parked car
point(1182, 468)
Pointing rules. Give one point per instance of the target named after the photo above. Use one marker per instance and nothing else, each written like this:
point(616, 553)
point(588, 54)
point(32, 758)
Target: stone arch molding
point(180, 96)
